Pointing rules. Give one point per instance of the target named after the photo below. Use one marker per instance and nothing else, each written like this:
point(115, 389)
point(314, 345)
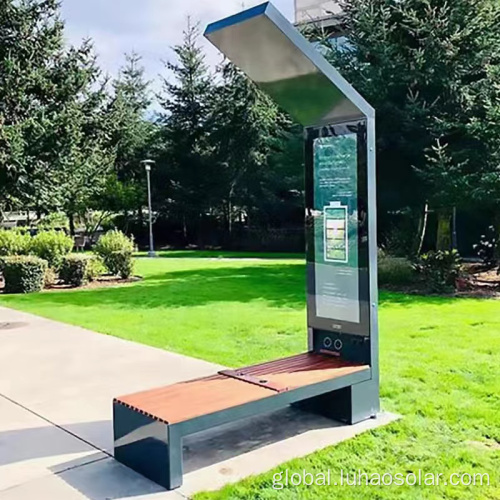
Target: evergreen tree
point(132, 131)
point(246, 127)
point(80, 149)
point(54, 127)
point(183, 157)
point(282, 200)
point(30, 36)
point(132, 136)
point(430, 69)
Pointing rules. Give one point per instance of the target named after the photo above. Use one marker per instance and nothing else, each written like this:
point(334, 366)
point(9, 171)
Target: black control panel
point(349, 347)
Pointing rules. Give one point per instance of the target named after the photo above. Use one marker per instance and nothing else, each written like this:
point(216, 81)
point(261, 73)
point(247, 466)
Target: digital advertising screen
point(338, 286)
point(336, 228)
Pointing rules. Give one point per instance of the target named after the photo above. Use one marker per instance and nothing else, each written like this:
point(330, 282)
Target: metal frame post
point(271, 51)
point(147, 165)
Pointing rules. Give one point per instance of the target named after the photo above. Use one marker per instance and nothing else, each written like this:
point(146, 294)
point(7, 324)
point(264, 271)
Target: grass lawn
point(440, 360)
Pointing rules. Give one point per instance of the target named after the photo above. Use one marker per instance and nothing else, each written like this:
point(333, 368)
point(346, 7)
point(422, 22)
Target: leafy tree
point(430, 68)
point(85, 162)
point(74, 148)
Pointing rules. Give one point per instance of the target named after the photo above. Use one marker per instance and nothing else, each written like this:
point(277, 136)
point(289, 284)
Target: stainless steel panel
point(269, 49)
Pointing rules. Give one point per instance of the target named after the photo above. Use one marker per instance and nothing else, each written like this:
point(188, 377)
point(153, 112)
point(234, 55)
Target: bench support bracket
point(148, 446)
point(351, 404)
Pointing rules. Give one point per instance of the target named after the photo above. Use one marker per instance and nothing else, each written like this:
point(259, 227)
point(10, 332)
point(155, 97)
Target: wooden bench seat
point(149, 425)
point(187, 400)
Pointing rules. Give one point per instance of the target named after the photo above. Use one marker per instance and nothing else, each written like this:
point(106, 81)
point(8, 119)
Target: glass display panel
point(338, 275)
point(336, 228)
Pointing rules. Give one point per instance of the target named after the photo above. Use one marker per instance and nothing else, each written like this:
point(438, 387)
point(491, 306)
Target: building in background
point(327, 14)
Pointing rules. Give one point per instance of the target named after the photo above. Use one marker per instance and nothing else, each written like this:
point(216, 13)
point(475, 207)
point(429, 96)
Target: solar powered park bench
point(338, 376)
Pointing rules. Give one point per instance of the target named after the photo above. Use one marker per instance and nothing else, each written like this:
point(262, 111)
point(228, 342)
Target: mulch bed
point(475, 283)
point(480, 283)
point(101, 282)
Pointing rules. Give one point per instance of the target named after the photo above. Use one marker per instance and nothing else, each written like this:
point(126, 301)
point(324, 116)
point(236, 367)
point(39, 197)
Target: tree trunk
point(140, 215)
point(200, 230)
point(422, 229)
point(443, 239)
point(71, 218)
point(230, 217)
point(454, 238)
point(496, 225)
point(184, 228)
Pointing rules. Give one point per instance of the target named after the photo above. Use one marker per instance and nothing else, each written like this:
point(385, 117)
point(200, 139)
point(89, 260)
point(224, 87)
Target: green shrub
point(50, 278)
point(440, 270)
point(486, 249)
point(74, 269)
point(14, 242)
point(51, 246)
point(95, 268)
point(123, 264)
point(78, 270)
point(400, 239)
point(23, 274)
point(396, 271)
point(116, 251)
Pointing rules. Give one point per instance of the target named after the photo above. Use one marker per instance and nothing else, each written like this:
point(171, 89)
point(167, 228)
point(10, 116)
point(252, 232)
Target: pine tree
point(30, 36)
point(430, 70)
point(132, 137)
point(246, 127)
point(54, 127)
point(70, 142)
point(183, 159)
point(132, 130)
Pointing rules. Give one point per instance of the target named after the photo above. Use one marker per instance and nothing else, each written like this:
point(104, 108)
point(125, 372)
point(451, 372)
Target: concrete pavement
point(57, 383)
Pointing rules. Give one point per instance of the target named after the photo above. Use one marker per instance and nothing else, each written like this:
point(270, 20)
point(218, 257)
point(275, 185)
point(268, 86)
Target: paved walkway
point(57, 383)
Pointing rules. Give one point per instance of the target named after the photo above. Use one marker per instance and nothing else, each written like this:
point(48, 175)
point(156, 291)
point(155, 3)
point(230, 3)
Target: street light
point(147, 165)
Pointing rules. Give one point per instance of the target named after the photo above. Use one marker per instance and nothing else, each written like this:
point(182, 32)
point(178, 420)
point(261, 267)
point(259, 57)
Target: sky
point(148, 27)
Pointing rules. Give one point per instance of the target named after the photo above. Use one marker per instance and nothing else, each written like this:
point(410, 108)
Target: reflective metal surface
point(270, 50)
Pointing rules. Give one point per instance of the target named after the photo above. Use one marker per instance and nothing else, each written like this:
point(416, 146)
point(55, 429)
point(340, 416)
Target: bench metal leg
point(149, 447)
point(174, 458)
point(352, 404)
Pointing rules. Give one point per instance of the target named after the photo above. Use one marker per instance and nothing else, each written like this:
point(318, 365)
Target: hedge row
point(51, 246)
point(78, 270)
point(23, 273)
point(28, 273)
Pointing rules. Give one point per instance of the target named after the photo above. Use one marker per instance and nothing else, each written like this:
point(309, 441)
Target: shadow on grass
point(222, 254)
point(394, 298)
point(278, 285)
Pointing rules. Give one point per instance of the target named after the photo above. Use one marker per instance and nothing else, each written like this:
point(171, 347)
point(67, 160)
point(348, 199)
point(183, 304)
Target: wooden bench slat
point(301, 370)
point(187, 400)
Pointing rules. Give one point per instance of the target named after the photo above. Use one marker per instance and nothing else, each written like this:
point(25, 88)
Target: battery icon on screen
point(336, 233)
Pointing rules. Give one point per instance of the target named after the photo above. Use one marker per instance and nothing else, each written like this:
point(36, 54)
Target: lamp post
point(147, 165)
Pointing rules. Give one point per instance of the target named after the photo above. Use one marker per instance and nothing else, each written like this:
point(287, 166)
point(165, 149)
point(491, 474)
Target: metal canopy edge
point(236, 18)
point(276, 56)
